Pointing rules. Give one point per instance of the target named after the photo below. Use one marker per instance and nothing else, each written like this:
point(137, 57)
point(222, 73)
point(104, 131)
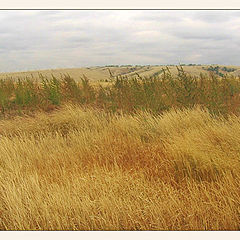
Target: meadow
point(157, 152)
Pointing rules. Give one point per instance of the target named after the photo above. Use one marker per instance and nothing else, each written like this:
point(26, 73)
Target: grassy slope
point(83, 169)
point(102, 73)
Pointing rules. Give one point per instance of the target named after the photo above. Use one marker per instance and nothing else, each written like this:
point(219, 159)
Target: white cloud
point(48, 39)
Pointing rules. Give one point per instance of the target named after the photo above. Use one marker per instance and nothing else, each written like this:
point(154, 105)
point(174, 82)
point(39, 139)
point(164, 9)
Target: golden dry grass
point(93, 73)
point(83, 169)
point(96, 74)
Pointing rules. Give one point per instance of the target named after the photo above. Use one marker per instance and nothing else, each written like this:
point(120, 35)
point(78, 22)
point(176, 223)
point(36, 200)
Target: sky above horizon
point(35, 39)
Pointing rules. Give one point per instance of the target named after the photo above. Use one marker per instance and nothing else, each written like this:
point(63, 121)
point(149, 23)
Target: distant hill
point(111, 71)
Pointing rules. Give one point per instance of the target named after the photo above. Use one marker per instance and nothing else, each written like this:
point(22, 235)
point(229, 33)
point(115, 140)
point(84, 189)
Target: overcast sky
point(58, 39)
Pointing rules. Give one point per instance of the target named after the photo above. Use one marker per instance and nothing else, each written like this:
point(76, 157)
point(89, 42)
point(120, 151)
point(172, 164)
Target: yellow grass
point(93, 73)
point(83, 169)
point(100, 74)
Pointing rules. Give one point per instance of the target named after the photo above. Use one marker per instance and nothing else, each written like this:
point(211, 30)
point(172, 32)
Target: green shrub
point(158, 93)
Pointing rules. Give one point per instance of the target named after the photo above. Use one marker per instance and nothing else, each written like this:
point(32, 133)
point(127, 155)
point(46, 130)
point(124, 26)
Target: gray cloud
point(50, 39)
point(216, 16)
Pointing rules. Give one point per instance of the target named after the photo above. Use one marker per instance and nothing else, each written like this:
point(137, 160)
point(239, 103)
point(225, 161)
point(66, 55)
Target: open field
point(141, 153)
point(102, 73)
point(83, 169)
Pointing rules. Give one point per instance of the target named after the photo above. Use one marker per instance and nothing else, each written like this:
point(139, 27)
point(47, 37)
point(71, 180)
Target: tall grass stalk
point(158, 93)
point(85, 169)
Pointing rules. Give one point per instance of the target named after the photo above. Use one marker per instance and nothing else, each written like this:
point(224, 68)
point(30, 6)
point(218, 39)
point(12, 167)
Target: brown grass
point(83, 169)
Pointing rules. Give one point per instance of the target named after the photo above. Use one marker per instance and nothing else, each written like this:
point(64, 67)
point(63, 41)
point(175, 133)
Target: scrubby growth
point(156, 93)
point(217, 70)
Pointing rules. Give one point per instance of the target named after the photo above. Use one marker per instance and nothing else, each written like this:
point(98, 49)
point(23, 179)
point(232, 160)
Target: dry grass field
point(157, 153)
point(84, 169)
point(100, 74)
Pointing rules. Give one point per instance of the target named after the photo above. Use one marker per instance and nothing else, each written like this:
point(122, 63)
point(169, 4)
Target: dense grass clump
point(158, 93)
point(219, 95)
